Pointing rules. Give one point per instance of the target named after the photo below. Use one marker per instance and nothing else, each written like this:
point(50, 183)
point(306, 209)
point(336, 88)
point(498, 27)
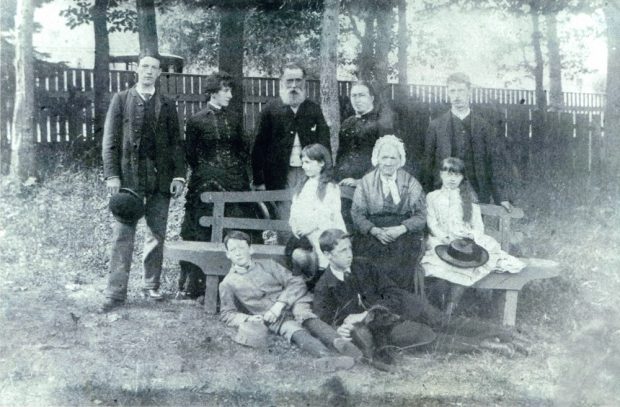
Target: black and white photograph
point(310, 203)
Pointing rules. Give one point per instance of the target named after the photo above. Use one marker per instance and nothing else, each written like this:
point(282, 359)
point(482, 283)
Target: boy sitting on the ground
point(268, 292)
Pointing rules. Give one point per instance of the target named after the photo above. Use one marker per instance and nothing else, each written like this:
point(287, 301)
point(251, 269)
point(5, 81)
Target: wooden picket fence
point(65, 114)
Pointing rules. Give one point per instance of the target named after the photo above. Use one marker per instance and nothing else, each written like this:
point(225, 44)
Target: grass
point(54, 240)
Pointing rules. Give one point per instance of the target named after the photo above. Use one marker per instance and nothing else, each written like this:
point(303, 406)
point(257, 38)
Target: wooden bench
point(210, 256)
point(511, 284)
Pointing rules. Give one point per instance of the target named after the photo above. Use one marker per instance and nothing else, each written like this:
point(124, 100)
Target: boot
point(325, 361)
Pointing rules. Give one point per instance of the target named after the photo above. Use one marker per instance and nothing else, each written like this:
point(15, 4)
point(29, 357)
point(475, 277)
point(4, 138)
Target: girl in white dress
point(452, 214)
point(315, 207)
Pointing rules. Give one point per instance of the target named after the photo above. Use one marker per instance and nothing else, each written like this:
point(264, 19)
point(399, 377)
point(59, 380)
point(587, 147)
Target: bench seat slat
point(247, 196)
point(501, 212)
point(247, 223)
point(535, 269)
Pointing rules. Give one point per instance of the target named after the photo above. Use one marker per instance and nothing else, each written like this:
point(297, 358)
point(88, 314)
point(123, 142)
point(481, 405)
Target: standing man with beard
point(285, 127)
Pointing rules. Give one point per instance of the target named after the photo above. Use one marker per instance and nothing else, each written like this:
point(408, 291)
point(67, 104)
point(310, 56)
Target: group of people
point(345, 256)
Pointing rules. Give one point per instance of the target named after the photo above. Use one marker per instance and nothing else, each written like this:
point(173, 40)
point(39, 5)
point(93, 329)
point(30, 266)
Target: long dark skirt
point(398, 259)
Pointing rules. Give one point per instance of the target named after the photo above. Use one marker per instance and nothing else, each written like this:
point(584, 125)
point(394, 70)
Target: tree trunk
point(385, 25)
point(539, 157)
point(366, 58)
point(23, 132)
point(556, 98)
point(541, 100)
point(612, 107)
point(403, 45)
point(101, 69)
point(329, 70)
point(147, 27)
point(232, 23)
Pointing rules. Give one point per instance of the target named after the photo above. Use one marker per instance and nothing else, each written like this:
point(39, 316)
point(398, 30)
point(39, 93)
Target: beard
point(293, 96)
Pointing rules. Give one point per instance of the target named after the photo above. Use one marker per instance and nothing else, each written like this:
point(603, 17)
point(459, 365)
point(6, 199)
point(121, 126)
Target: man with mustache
point(286, 126)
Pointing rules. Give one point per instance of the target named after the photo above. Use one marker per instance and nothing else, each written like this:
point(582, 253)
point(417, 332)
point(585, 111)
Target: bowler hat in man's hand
point(127, 206)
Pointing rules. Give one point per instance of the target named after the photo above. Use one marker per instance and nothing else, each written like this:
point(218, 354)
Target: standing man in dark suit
point(285, 127)
point(141, 152)
point(464, 133)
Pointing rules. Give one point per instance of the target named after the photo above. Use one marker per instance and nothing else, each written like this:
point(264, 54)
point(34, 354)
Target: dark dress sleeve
point(429, 164)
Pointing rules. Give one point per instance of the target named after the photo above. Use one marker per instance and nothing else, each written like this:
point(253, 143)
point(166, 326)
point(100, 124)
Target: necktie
point(146, 96)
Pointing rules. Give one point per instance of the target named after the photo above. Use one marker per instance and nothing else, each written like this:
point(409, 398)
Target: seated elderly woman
point(389, 214)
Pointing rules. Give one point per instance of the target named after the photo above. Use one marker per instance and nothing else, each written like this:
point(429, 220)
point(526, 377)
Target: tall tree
point(147, 26)
point(101, 69)
point(383, 45)
point(232, 23)
point(329, 67)
point(403, 44)
point(556, 98)
point(612, 107)
point(23, 132)
point(539, 70)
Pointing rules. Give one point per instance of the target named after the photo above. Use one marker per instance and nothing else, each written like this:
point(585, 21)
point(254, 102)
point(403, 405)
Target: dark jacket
point(334, 300)
point(356, 139)
point(122, 138)
point(488, 152)
point(215, 151)
point(275, 136)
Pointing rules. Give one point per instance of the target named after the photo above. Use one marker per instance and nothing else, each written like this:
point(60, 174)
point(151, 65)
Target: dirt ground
point(55, 349)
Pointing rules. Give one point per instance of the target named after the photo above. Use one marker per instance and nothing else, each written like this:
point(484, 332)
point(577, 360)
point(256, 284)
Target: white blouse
point(445, 216)
point(309, 212)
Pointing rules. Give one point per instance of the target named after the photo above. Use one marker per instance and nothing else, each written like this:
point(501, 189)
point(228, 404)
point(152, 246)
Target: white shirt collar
point(241, 270)
point(461, 114)
point(339, 274)
point(143, 91)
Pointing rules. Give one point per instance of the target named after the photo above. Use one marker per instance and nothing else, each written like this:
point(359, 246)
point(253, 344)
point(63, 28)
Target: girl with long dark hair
point(453, 215)
point(315, 208)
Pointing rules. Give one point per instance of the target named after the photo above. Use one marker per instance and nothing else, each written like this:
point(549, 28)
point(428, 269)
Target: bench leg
point(510, 307)
point(211, 294)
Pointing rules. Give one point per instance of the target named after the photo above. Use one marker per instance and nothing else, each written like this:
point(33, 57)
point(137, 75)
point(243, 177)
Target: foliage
point(8, 9)
point(191, 33)
point(121, 16)
point(272, 35)
point(279, 35)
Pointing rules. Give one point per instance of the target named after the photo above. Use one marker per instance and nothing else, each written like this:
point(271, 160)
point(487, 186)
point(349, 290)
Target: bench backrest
point(219, 199)
point(219, 222)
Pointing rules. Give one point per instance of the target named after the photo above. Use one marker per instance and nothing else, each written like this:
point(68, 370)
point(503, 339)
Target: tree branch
point(355, 29)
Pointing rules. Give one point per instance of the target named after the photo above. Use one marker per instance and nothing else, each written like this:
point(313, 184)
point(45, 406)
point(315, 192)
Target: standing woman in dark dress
point(217, 157)
point(358, 135)
point(357, 138)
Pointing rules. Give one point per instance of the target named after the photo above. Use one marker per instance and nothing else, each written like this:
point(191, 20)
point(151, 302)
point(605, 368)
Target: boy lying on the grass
point(348, 289)
point(266, 291)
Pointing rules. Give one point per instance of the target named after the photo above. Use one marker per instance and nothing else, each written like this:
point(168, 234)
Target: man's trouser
point(156, 216)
